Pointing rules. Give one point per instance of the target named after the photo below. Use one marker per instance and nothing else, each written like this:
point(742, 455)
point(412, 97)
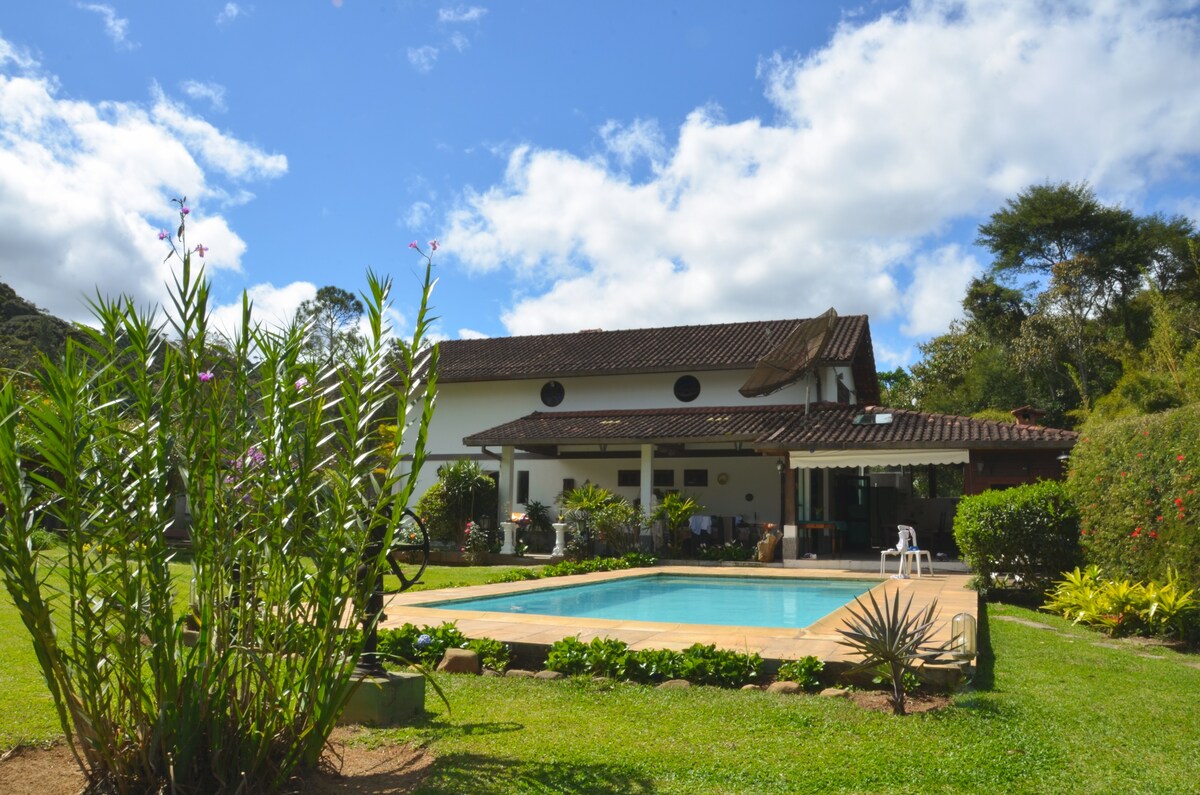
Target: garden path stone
point(784, 687)
point(1025, 622)
point(519, 673)
point(549, 675)
point(835, 692)
point(460, 661)
point(675, 684)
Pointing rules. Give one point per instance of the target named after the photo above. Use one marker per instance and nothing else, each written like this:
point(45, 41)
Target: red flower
point(1179, 457)
point(1153, 534)
point(1159, 519)
point(1139, 455)
point(1137, 531)
point(1124, 474)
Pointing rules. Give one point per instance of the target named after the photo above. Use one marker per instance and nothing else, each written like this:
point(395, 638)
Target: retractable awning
point(876, 458)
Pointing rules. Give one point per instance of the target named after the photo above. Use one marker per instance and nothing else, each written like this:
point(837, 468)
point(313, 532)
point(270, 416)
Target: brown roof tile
point(722, 346)
point(826, 426)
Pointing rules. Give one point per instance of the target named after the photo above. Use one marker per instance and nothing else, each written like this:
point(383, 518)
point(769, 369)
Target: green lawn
point(1053, 711)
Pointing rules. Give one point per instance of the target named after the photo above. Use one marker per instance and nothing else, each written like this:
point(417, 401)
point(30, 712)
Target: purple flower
point(423, 640)
point(433, 244)
point(184, 210)
point(205, 376)
point(414, 245)
point(162, 234)
point(301, 382)
point(200, 249)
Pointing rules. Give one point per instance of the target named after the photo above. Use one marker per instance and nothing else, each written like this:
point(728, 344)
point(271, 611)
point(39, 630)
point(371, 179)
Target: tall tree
point(332, 316)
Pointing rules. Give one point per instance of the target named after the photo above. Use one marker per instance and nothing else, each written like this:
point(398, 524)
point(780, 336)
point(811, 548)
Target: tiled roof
point(833, 427)
point(633, 426)
point(826, 426)
point(722, 346)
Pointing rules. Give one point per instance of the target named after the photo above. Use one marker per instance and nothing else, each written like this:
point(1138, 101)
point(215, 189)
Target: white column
point(647, 489)
point(510, 538)
point(560, 539)
point(507, 486)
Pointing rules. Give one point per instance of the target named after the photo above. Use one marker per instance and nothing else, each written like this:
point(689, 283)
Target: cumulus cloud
point(471, 334)
point(423, 58)
point(84, 188)
point(212, 93)
point(460, 14)
point(271, 306)
point(116, 27)
point(882, 140)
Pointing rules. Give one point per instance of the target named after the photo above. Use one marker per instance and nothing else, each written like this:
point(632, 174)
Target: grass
point(1054, 710)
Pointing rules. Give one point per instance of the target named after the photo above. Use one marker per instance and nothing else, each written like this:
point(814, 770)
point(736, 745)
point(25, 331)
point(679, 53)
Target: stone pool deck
point(819, 639)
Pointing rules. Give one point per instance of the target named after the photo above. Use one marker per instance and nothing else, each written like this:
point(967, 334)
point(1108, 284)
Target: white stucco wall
point(752, 489)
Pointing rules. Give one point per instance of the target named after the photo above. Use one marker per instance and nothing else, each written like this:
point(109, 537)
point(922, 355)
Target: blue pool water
point(728, 601)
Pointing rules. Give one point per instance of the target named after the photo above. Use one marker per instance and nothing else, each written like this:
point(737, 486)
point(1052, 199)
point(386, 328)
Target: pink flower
point(184, 209)
point(200, 249)
point(162, 234)
point(301, 382)
point(414, 245)
point(205, 376)
point(433, 245)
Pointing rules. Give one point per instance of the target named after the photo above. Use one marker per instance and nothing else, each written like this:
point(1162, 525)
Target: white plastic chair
point(914, 553)
point(902, 545)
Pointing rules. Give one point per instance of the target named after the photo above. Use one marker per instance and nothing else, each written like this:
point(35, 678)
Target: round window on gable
point(552, 393)
point(687, 388)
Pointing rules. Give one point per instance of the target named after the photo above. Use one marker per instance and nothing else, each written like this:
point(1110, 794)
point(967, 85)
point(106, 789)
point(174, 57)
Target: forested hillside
point(26, 332)
point(1086, 310)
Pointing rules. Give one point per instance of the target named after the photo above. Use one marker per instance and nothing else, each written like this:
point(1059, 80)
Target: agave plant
point(892, 637)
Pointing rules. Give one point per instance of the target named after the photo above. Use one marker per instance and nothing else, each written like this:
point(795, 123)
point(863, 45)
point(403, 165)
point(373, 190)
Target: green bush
point(41, 539)
point(427, 645)
point(463, 493)
point(699, 664)
point(1124, 607)
point(729, 551)
point(806, 672)
point(1029, 533)
point(1135, 481)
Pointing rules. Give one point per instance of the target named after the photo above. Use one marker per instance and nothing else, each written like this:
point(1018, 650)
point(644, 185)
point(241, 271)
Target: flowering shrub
point(1135, 481)
point(426, 645)
point(106, 452)
point(476, 544)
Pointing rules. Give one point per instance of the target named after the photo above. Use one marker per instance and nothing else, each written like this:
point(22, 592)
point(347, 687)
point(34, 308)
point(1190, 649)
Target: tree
point(331, 317)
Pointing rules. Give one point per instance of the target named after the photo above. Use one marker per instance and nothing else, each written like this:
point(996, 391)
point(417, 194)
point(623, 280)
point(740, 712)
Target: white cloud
point(417, 215)
point(459, 41)
point(628, 143)
point(236, 158)
point(229, 13)
point(116, 27)
point(897, 129)
point(461, 14)
point(423, 58)
point(939, 282)
point(212, 93)
point(270, 305)
point(85, 187)
point(471, 334)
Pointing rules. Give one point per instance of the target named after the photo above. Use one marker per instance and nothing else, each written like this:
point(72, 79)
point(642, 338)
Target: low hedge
point(1029, 534)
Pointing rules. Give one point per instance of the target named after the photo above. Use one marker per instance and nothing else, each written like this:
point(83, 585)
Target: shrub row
point(1123, 607)
point(1029, 533)
point(630, 560)
point(1135, 481)
point(699, 664)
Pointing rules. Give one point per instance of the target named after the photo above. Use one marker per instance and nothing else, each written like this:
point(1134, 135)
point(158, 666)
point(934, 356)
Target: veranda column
point(507, 487)
point(646, 490)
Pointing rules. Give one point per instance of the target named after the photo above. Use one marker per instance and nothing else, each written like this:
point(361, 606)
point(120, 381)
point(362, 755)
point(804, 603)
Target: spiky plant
point(891, 636)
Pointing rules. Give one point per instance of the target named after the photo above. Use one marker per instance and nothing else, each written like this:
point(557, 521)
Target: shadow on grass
point(480, 775)
point(436, 728)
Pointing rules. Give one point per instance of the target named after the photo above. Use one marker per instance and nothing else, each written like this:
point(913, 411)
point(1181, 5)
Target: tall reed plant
point(284, 473)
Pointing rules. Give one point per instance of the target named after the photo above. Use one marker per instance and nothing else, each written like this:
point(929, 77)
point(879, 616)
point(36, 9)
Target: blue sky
point(585, 165)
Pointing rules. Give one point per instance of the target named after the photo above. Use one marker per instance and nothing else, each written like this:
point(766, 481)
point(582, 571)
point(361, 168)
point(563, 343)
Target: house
point(765, 423)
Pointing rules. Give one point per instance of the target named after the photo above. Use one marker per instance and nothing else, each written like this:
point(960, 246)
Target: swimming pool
point(686, 599)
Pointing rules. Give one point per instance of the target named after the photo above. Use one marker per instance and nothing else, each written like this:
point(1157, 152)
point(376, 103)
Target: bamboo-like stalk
point(275, 459)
